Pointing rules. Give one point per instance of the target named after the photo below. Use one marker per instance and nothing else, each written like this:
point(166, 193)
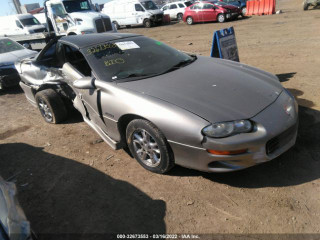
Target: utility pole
point(17, 5)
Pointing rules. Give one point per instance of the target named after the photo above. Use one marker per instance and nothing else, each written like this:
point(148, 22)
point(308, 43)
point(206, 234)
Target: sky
point(7, 7)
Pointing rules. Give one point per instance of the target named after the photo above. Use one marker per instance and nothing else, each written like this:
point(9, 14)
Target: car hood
point(156, 11)
point(214, 89)
point(230, 7)
point(12, 57)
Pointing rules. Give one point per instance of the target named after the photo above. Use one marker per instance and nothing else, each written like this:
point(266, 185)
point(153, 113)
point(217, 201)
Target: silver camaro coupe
point(167, 107)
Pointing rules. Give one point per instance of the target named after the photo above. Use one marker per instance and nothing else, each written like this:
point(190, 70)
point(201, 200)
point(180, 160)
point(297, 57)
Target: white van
point(20, 24)
point(133, 12)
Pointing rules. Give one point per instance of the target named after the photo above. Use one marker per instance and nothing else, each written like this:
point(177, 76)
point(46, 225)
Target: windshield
point(221, 3)
point(76, 6)
point(7, 45)
point(29, 22)
point(134, 58)
point(149, 5)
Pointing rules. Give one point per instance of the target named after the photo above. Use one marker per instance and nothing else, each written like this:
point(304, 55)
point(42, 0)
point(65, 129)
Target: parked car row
point(126, 13)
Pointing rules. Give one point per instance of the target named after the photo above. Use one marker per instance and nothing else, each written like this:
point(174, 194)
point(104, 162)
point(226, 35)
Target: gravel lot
point(71, 182)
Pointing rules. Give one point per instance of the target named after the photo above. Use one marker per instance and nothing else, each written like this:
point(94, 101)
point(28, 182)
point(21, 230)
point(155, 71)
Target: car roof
point(82, 41)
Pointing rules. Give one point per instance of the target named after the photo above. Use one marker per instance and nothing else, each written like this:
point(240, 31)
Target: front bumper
point(9, 77)
point(275, 133)
point(157, 18)
point(232, 15)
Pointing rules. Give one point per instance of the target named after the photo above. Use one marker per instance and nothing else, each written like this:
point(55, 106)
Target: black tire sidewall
point(38, 97)
point(178, 16)
point(166, 162)
point(55, 104)
point(147, 23)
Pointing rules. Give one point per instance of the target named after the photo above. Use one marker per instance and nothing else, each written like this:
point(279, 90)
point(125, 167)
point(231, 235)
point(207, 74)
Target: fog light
point(216, 152)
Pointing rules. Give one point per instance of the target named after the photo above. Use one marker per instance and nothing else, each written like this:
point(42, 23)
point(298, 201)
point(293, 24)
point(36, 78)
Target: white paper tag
point(127, 45)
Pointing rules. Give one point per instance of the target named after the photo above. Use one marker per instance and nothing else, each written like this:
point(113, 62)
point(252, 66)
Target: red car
point(209, 12)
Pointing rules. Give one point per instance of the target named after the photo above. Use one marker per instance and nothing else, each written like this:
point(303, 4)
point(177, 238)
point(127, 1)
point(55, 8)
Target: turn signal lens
point(216, 152)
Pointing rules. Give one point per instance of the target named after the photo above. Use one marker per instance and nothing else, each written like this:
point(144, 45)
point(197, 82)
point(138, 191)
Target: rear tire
point(189, 20)
point(180, 16)
point(149, 146)
point(221, 18)
point(147, 23)
point(51, 106)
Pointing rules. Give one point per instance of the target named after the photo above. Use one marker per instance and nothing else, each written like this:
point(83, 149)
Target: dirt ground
point(71, 182)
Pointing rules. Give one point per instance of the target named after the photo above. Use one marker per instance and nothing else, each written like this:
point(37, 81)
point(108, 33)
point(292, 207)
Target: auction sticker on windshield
point(127, 45)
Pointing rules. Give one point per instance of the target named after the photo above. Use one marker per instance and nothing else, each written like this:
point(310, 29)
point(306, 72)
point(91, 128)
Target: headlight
point(225, 129)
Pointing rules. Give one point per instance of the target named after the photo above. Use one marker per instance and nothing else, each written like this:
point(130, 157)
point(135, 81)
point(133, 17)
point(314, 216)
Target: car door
point(44, 69)
point(194, 10)
point(173, 11)
point(208, 12)
point(165, 9)
point(77, 67)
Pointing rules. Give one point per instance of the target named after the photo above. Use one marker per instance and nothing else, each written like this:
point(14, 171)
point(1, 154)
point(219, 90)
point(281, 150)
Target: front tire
point(305, 5)
point(51, 106)
point(116, 24)
point(243, 11)
point(149, 146)
point(221, 18)
point(189, 20)
point(147, 23)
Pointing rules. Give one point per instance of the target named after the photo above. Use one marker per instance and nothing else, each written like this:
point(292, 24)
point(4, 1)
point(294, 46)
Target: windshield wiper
point(181, 64)
point(132, 75)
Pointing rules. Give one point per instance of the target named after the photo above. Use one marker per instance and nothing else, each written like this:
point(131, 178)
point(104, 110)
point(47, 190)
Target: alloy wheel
point(45, 110)
point(221, 18)
point(146, 148)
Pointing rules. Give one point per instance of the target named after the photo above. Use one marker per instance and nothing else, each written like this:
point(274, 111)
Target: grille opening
point(279, 141)
point(103, 25)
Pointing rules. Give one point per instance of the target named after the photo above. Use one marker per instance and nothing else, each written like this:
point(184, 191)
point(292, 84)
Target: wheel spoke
point(137, 137)
point(146, 148)
point(144, 135)
point(144, 155)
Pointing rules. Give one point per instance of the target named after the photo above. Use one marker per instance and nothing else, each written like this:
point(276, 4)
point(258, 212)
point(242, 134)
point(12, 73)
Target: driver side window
point(138, 8)
point(207, 6)
point(19, 24)
point(77, 60)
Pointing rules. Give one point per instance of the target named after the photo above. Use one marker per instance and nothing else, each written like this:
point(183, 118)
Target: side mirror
point(97, 7)
point(26, 45)
point(84, 83)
